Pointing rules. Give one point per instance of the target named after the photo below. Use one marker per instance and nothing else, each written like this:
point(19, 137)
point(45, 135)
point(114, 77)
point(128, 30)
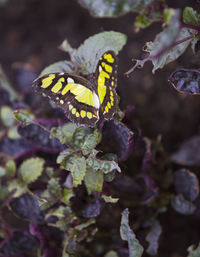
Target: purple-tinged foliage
point(47, 238)
point(24, 76)
point(188, 152)
point(5, 99)
point(147, 159)
point(182, 206)
point(187, 184)
point(15, 147)
point(150, 189)
point(40, 138)
point(92, 209)
point(153, 237)
point(186, 81)
point(26, 207)
point(119, 137)
point(21, 242)
point(125, 184)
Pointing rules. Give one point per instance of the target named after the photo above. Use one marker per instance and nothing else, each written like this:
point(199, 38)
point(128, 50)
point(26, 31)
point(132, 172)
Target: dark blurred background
point(31, 32)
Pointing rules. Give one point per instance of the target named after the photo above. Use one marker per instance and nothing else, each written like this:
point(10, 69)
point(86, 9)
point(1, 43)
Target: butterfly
point(85, 101)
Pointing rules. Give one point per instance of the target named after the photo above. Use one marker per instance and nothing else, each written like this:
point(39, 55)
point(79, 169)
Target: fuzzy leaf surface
point(153, 237)
point(86, 139)
point(89, 53)
point(182, 206)
point(31, 169)
point(93, 180)
point(24, 117)
point(135, 248)
point(194, 252)
point(77, 166)
point(6, 115)
point(61, 66)
point(191, 16)
point(186, 183)
point(186, 81)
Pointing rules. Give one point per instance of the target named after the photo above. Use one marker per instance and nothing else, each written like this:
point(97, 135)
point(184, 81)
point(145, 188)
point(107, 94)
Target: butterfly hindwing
point(72, 93)
point(106, 77)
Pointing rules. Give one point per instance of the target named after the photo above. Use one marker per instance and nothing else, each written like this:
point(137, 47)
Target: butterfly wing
point(73, 94)
point(106, 77)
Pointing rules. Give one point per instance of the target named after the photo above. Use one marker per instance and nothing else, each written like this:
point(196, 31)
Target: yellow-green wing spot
point(58, 86)
point(109, 57)
point(46, 82)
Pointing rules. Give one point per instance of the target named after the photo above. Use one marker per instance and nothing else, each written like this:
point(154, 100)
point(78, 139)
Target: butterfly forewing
point(106, 77)
point(72, 93)
point(84, 101)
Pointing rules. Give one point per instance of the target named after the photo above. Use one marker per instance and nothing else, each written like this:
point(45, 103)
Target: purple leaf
point(182, 206)
point(26, 207)
point(153, 237)
point(5, 99)
point(46, 238)
point(150, 189)
point(24, 76)
point(188, 153)
point(40, 138)
point(186, 81)
point(147, 159)
point(15, 148)
point(19, 243)
point(125, 184)
point(92, 209)
point(120, 137)
point(187, 184)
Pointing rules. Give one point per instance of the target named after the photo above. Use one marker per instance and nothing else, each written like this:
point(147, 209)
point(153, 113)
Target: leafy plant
point(64, 187)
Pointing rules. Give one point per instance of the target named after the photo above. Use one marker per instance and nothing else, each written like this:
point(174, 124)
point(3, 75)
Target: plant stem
point(191, 26)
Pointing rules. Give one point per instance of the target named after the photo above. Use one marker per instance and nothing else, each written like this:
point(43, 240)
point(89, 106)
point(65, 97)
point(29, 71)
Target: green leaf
point(194, 252)
point(182, 206)
point(68, 131)
point(24, 116)
point(65, 133)
point(6, 114)
point(3, 193)
point(2, 171)
point(111, 254)
point(110, 199)
point(190, 16)
point(4, 83)
point(66, 47)
point(93, 180)
point(77, 166)
point(135, 249)
point(168, 14)
point(54, 187)
point(85, 225)
point(62, 155)
point(164, 41)
point(67, 194)
point(10, 168)
point(86, 139)
point(165, 49)
point(61, 66)
point(89, 53)
point(105, 8)
point(106, 166)
point(142, 21)
point(31, 169)
point(13, 133)
point(16, 187)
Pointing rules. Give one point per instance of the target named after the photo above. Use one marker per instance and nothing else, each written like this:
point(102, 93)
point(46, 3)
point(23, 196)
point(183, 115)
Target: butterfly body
point(84, 100)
